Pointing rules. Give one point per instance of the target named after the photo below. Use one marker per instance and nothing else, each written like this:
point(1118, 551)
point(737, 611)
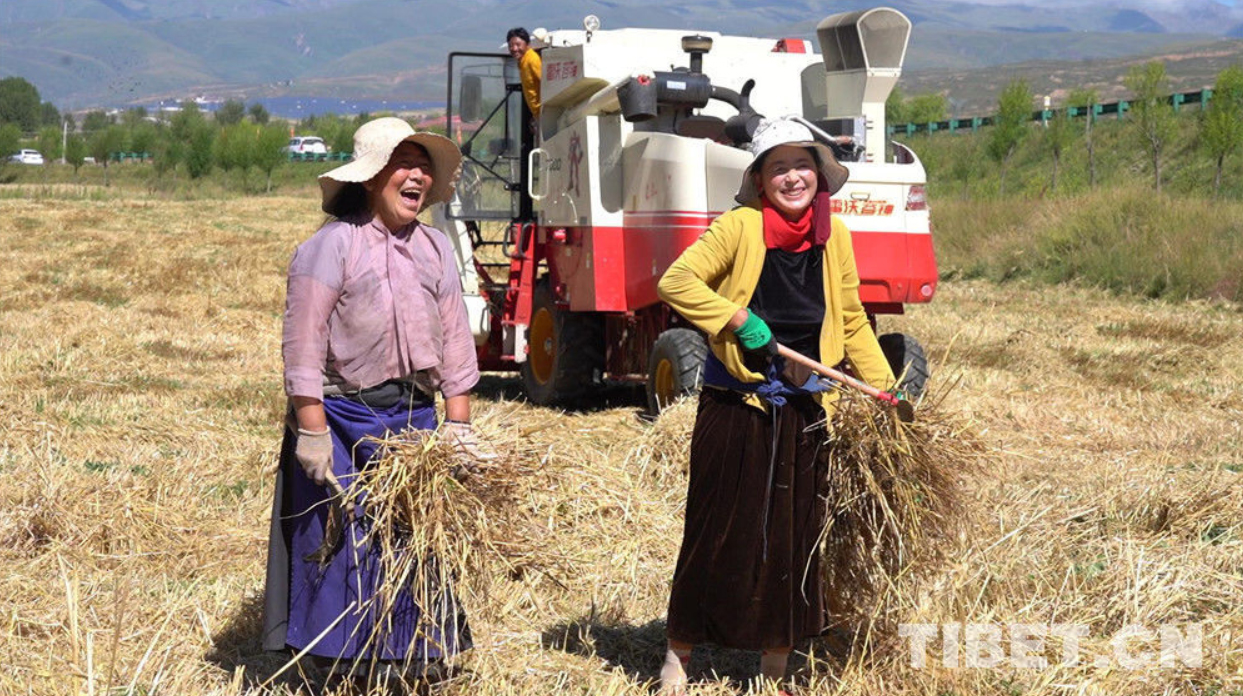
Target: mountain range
point(86, 53)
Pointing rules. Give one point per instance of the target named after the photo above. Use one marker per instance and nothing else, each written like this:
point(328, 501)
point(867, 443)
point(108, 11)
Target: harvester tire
point(905, 355)
point(675, 368)
point(566, 351)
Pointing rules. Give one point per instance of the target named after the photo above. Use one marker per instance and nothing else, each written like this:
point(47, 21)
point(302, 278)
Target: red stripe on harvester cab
point(668, 219)
point(688, 213)
point(629, 261)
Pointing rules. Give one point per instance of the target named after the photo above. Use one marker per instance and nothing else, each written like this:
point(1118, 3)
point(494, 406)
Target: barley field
point(141, 403)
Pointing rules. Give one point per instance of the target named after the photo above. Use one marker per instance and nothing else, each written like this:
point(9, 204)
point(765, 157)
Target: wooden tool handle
point(338, 490)
point(826, 371)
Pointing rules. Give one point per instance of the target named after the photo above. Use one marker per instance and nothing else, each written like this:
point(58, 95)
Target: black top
point(790, 298)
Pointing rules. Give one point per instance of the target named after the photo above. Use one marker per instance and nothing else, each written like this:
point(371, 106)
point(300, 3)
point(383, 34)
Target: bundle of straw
point(442, 534)
point(897, 505)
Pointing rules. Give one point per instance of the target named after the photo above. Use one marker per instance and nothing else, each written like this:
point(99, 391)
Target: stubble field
point(140, 398)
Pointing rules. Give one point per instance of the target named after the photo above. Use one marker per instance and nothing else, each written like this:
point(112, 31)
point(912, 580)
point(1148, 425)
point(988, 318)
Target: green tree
point(184, 129)
point(49, 115)
point(103, 143)
point(198, 153)
point(234, 147)
point(20, 103)
point(1221, 127)
point(142, 137)
point(75, 151)
point(926, 108)
point(258, 114)
point(130, 118)
point(267, 154)
point(10, 140)
point(343, 137)
point(95, 121)
point(166, 153)
point(1154, 119)
point(49, 143)
point(1087, 99)
point(314, 122)
point(1009, 125)
point(895, 107)
point(186, 121)
point(1058, 134)
point(231, 112)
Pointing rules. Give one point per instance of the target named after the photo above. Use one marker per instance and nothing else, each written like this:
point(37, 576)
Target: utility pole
point(64, 139)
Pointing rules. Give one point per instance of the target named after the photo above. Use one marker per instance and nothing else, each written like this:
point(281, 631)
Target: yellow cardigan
point(716, 276)
point(530, 69)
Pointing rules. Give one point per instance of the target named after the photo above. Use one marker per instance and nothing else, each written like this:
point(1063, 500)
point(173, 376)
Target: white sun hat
point(784, 130)
point(374, 142)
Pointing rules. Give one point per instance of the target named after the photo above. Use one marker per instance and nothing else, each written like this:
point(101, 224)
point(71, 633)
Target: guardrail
point(1116, 108)
point(129, 156)
point(293, 156)
point(320, 156)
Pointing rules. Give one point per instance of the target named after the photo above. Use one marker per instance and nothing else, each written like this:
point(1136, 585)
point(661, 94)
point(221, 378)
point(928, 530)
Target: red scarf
point(813, 227)
point(783, 233)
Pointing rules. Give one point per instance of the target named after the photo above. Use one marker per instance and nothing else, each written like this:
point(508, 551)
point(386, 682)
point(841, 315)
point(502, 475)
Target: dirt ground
point(140, 397)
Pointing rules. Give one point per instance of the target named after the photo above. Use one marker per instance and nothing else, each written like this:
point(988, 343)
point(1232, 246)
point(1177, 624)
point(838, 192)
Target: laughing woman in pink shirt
point(374, 326)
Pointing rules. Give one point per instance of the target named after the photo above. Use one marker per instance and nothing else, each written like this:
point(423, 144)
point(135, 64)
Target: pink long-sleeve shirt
point(364, 306)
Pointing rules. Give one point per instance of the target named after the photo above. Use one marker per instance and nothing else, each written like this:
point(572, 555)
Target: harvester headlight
point(591, 23)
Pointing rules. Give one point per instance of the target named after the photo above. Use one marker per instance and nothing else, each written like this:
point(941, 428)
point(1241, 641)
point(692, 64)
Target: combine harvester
point(641, 143)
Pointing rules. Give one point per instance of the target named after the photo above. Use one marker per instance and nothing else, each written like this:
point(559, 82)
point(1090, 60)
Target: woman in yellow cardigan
point(778, 268)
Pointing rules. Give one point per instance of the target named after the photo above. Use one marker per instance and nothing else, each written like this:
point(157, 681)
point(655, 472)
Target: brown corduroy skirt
point(748, 574)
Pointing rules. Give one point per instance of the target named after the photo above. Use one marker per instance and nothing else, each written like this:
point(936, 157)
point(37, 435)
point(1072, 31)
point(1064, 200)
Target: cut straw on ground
point(141, 392)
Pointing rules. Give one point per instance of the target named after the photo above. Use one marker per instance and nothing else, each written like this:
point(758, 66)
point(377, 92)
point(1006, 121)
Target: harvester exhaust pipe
point(741, 126)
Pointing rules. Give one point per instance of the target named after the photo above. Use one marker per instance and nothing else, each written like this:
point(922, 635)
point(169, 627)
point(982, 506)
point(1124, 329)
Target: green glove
point(754, 334)
point(758, 345)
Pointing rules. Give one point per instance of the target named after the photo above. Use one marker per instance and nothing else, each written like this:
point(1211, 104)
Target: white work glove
point(314, 453)
point(471, 452)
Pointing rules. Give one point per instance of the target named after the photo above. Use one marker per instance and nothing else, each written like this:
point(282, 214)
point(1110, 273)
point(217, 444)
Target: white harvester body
point(642, 142)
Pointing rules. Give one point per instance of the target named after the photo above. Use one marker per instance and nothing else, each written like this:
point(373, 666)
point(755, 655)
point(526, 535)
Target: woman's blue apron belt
point(773, 390)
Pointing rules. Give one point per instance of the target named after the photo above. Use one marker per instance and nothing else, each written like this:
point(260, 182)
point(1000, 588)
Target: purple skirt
point(303, 599)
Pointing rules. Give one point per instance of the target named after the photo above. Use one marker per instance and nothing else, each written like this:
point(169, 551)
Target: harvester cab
point(641, 143)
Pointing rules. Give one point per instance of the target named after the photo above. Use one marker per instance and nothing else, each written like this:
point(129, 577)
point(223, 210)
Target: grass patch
point(86, 291)
point(164, 348)
point(1116, 234)
point(1107, 368)
point(990, 355)
point(1163, 330)
point(1125, 240)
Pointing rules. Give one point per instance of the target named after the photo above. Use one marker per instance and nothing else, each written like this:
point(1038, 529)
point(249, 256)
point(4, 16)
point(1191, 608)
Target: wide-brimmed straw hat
point(784, 130)
point(374, 142)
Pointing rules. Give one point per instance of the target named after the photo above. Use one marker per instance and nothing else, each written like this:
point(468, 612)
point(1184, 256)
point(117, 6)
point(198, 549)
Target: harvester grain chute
point(561, 240)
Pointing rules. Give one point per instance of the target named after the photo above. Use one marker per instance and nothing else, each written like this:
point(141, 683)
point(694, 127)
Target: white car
point(309, 145)
point(27, 157)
